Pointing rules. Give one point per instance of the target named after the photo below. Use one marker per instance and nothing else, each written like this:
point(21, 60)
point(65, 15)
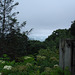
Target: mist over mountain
point(40, 38)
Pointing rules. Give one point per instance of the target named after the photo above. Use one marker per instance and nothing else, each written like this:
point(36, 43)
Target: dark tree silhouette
point(12, 41)
point(72, 29)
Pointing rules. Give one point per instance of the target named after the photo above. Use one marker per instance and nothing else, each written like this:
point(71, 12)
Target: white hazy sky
point(45, 16)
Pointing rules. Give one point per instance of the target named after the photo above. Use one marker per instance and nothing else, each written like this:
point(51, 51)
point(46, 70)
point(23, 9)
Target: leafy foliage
point(34, 46)
point(21, 56)
point(29, 68)
point(52, 41)
point(72, 28)
point(12, 41)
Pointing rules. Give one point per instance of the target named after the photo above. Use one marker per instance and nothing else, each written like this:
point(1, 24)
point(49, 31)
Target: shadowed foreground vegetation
point(46, 63)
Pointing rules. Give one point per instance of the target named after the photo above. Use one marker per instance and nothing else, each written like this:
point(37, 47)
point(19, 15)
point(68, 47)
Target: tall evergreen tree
point(12, 42)
point(8, 21)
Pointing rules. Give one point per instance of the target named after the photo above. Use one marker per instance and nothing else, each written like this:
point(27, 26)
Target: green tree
point(12, 41)
point(72, 29)
point(53, 40)
point(8, 20)
point(16, 45)
point(34, 46)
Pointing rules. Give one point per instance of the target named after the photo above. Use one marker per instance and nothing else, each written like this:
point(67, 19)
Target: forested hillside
point(53, 40)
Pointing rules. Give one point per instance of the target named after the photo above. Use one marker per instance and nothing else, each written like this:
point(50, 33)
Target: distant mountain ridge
point(40, 38)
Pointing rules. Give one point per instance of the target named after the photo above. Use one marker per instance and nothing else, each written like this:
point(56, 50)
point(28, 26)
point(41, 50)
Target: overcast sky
point(45, 16)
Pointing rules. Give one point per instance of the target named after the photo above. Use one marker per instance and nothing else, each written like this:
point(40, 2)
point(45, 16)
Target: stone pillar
point(64, 54)
point(67, 55)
